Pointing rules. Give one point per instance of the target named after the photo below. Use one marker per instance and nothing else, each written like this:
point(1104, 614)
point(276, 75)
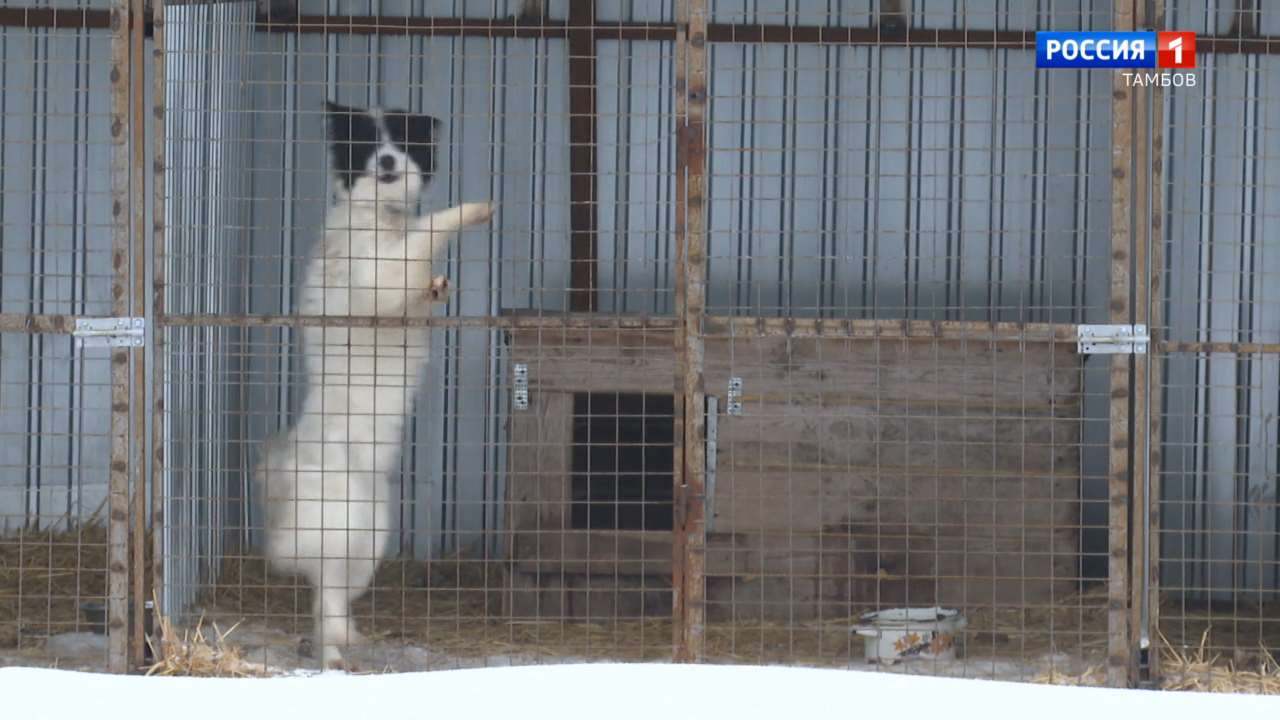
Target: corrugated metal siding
point(635, 159)
point(889, 183)
point(208, 245)
point(1223, 266)
point(55, 247)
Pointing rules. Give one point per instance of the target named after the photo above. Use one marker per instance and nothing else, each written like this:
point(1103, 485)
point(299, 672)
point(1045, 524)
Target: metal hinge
point(110, 332)
point(733, 402)
point(1112, 339)
point(520, 394)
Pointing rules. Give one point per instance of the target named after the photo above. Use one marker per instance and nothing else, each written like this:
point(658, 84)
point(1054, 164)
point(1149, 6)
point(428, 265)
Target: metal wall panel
point(55, 247)
point(635, 157)
point(1219, 459)
point(206, 194)
point(889, 183)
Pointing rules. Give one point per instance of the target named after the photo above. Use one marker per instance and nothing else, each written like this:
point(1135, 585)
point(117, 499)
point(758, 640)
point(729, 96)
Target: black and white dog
point(328, 497)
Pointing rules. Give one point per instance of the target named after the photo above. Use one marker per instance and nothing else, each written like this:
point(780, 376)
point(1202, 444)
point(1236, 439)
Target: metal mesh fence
point(483, 333)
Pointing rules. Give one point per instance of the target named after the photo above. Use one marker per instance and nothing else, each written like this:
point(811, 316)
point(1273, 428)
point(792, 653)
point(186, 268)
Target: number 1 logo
point(1176, 50)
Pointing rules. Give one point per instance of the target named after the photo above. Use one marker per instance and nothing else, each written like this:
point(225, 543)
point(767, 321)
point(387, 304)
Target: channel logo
point(1172, 50)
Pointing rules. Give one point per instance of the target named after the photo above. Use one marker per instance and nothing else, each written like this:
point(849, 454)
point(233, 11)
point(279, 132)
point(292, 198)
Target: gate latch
point(110, 332)
point(1112, 339)
point(520, 393)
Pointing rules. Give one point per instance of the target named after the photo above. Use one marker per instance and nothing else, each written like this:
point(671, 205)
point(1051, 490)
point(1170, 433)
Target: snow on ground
point(598, 692)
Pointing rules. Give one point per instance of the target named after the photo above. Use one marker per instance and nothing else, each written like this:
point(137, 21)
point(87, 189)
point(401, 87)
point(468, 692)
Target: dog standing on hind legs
point(325, 480)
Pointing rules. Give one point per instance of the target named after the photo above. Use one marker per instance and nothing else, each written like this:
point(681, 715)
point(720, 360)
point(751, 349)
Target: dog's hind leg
point(335, 630)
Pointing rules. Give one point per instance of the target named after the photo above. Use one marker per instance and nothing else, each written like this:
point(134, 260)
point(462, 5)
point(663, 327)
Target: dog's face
point(385, 156)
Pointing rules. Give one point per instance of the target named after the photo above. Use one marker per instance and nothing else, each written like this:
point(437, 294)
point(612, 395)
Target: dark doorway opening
point(623, 446)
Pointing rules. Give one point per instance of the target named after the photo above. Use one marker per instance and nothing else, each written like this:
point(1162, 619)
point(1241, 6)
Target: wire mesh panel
point(862, 475)
point(879, 182)
point(1216, 541)
point(931, 497)
point(53, 502)
point(504, 333)
point(57, 420)
point(433, 186)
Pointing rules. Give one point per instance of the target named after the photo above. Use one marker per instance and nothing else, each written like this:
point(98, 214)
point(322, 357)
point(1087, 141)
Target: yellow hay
point(197, 654)
point(1198, 670)
point(44, 577)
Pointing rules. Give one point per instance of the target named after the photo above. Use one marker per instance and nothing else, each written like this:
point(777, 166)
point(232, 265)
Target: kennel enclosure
point(780, 323)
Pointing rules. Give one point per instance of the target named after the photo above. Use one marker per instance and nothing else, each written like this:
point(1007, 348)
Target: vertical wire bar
point(583, 214)
point(1141, 439)
point(157, 277)
point(1118, 646)
point(138, 355)
point(118, 528)
point(1155, 319)
point(691, 261)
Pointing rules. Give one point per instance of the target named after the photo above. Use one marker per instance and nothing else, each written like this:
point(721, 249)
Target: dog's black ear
point(423, 130)
point(338, 120)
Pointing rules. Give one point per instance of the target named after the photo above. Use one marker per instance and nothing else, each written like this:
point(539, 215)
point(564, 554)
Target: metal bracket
point(733, 403)
point(1112, 339)
point(110, 332)
point(520, 395)
point(709, 486)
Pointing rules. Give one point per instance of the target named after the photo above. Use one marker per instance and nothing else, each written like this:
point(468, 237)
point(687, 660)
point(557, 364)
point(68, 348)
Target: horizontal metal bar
point(1168, 346)
point(35, 17)
point(61, 18)
point(715, 325)
point(568, 320)
point(17, 322)
point(915, 330)
point(907, 330)
point(716, 32)
point(830, 35)
point(911, 330)
point(461, 27)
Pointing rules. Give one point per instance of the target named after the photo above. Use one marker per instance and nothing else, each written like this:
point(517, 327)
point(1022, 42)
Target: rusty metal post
point(691, 228)
point(1119, 648)
point(1141, 391)
point(1153, 306)
point(118, 503)
point(156, 332)
point(139, 291)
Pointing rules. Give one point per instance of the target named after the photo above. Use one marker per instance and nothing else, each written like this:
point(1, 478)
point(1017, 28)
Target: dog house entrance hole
point(623, 445)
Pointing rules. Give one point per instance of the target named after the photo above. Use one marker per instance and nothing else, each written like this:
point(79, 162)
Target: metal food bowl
point(910, 633)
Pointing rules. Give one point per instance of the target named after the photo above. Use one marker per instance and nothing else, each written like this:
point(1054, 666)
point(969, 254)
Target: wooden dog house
point(860, 473)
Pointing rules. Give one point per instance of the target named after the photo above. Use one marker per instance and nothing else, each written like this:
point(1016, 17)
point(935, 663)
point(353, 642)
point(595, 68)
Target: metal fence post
point(691, 162)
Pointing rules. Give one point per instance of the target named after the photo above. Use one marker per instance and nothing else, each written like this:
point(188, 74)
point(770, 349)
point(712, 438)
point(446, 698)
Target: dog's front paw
point(476, 213)
point(342, 665)
point(438, 290)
